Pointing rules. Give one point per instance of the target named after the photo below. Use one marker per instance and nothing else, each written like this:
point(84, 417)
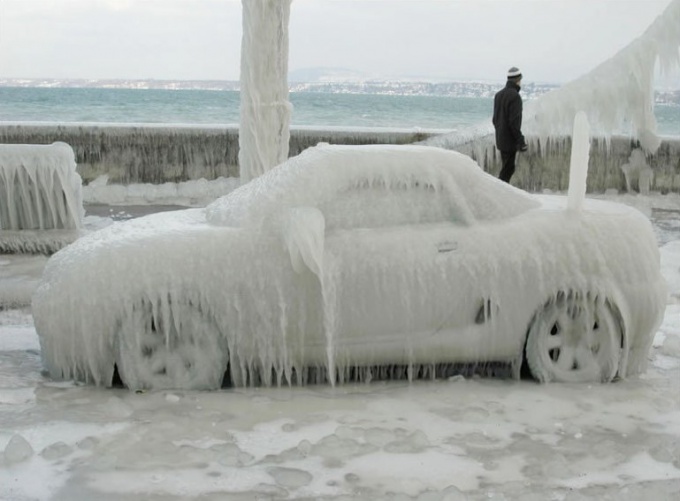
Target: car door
point(401, 280)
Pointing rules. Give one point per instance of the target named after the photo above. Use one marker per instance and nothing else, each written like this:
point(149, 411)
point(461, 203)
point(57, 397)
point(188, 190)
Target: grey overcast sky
point(550, 40)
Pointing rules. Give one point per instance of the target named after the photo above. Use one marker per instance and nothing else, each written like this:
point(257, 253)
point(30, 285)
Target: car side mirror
point(303, 235)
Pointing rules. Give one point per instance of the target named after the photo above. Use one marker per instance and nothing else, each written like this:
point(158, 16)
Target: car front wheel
point(170, 346)
point(575, 338)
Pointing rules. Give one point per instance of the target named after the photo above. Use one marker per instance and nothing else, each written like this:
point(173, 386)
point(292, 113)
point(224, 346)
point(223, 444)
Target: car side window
point(377, 205)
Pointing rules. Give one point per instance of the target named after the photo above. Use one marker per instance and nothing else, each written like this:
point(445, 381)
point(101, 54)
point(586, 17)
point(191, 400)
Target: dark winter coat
point(507, 118)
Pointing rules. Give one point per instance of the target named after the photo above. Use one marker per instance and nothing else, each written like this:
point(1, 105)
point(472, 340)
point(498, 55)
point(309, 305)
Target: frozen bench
point(41, 203)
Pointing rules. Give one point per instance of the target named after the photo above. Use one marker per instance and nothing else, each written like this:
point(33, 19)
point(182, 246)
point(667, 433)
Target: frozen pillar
point(578, 168)
point(265, 110)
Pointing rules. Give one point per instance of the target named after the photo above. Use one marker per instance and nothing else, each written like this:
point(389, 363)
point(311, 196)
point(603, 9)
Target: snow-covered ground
point(455, 439)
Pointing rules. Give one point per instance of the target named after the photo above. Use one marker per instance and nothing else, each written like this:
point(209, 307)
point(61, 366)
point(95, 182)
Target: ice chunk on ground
point(290, 477)
point(379, 437)
point(56, 450)
point(17, 450)
point(231, 455)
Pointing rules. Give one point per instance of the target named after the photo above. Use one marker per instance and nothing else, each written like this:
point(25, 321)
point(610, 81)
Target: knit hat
point(514, 73)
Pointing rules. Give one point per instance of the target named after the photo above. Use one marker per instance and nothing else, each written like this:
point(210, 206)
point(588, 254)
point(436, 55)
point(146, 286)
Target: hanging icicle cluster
point(39, 188)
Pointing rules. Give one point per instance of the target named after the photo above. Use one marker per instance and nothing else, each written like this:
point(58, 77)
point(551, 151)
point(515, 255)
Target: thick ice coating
point(350, 262)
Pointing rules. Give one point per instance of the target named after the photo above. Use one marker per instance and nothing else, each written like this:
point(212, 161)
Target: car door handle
point(447, 246)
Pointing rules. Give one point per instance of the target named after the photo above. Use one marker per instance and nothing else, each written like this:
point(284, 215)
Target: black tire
point(172, 347)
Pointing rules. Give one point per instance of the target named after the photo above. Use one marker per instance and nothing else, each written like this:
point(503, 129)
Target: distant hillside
point(341, 86)
point(76, 83)
point(311, 75)
point(405, 88)
point(326, 85)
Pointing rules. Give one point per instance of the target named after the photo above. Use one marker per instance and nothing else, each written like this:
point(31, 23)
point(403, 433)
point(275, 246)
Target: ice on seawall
point(41, 203)
point(637, 170)
point(157, 154)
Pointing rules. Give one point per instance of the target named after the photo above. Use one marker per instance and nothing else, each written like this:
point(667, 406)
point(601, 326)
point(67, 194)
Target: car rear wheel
point(575, 338)
point(173, 347)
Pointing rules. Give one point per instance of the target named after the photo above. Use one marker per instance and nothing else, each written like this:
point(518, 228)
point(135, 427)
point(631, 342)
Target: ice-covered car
point(350, 259)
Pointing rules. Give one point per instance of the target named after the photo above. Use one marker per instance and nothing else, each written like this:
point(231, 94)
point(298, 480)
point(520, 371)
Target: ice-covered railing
point(41, 206)
point(618, 95)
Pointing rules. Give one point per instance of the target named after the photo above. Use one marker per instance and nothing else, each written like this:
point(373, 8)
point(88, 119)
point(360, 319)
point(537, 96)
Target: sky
point(552, 41)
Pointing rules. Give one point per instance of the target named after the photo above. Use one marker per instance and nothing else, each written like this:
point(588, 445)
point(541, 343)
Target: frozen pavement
point(457, 439)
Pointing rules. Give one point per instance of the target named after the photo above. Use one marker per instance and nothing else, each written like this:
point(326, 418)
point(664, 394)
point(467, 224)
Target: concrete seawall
point(156, 154)
point(546, 164)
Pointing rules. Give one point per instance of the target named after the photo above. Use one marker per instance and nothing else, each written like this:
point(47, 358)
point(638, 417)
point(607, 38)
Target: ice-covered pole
point(265, 110)
point(578, 167)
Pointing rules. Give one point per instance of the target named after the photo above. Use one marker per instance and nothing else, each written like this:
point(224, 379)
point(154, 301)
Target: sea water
point(97, 105)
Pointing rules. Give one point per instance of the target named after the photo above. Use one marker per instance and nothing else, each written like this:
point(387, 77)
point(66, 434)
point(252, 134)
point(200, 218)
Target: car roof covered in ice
point(324, 172)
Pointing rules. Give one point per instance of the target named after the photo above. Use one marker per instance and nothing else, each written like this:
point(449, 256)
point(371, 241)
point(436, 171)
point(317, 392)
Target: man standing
point(507, 120)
